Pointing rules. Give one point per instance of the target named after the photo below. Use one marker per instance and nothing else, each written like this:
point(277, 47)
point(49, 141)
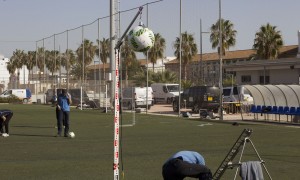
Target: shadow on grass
point(33, 126)
point(33, 135)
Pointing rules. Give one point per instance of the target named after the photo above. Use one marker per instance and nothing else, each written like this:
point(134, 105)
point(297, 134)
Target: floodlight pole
point(221, 63)
point(180, 53)
point(116, 99)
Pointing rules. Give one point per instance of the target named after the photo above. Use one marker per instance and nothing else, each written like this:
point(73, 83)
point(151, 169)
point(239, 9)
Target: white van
point(231, 94)
point(23, 94)
point(164, 92)
point(134, 97)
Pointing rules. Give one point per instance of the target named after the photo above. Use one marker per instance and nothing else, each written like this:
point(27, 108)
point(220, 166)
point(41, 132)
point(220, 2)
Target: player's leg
point(6, 122)
point(171, 170)
point(67, 122)
point(193, 170)
point(59, 122)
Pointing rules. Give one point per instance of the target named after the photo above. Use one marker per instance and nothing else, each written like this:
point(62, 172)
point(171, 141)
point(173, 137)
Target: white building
point(5, 76)
point(159, 66)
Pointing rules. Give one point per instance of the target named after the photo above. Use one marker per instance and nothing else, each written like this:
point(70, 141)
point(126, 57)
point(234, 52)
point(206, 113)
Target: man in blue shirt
point(186, 164)
point(5, 116)
point(63, 106)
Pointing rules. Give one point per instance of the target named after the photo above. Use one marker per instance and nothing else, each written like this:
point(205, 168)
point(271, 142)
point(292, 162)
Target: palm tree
point(165, 77)
point(89, 54)
point(40, 56)
point(160, 77)
point(18, 58)
point(128, 56)
point(158, 49)
point(228, 35)
point(104, 51)
point(52, 63)
point(68, 59)
point(188, 49)
point(11, 69)
point(140, 78)
point(76, 71)
point(267, 42)
point(30, 62)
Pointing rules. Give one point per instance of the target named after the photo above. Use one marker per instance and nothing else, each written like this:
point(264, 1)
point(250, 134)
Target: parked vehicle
point(236, 94)
point(75, 95)
point(51, 96)
point(23, 94)
point(198, 97)
point(164, 92)
point(134, 97)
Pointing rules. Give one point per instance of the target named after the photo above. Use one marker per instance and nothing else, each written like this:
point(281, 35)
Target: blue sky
point(24, 22)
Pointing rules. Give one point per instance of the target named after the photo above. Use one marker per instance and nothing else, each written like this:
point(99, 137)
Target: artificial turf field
point(32, 152)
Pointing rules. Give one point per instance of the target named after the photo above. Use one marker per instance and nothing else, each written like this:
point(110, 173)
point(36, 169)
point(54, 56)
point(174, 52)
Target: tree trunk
point(185, 72)
point(126, 76)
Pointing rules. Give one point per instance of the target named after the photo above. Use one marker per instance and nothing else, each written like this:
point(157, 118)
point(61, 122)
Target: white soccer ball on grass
point(141, 39)
point(71, 134)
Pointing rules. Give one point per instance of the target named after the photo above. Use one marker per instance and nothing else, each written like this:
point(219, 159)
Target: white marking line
point(207, 124)
point(293, 126)
point(127, 125)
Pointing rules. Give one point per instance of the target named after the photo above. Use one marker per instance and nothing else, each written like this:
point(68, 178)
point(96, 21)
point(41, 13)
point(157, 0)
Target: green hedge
point(10, 99)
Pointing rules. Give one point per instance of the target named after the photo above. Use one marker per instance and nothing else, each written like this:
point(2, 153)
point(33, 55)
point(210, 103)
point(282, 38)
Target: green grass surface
point(32, 151)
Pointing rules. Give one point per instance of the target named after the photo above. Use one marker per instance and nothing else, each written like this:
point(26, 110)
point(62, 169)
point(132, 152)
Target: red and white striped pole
point(117, 120)
point(117, 103)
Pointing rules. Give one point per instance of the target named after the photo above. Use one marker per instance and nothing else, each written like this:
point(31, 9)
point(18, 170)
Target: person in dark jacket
point(186, 164)
point(5, 117)
point(63, 105)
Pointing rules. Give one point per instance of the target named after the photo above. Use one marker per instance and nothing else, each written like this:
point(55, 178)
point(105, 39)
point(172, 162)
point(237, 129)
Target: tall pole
point(54, 69)
point(180, 39)
point(201, 60)
point(82, 37)
point(147, 71)
point(201, 68)
point(112, 45)
point(68, 59)
point(116, 99)
point(221, 63)
point(59, 72)
point(113, 65)
point(36, 65)
point(44, 59)
point(99, 62)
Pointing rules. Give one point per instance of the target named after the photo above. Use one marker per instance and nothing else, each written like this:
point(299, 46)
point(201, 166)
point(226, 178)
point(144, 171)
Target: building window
point(261, 79)
point(246, 79)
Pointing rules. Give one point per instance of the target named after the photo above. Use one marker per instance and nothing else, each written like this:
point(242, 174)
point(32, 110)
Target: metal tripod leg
point(247, 139)
point(231, 154)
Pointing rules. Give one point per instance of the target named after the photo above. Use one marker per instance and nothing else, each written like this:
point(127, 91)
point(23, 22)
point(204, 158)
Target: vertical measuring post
point(116, 120)
point(117, 103)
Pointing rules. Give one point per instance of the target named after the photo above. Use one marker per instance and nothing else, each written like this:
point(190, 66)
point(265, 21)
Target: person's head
point(64, 92)
point(59, 91)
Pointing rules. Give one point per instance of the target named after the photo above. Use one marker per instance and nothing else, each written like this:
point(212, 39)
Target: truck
point(237, 94)
point(22, 94)
point(52, 94)
point(135, 97)
point(164, 92)
point(197, 98)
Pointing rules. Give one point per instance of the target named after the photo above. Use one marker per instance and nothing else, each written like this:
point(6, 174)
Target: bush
point(10, 99)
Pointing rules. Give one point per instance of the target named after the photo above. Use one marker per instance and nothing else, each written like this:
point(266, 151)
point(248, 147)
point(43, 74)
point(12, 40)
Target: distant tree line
point(267, 43)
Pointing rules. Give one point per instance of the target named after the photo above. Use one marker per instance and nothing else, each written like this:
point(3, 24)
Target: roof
point(289, 51)
point(96, 66)
point(284, 52)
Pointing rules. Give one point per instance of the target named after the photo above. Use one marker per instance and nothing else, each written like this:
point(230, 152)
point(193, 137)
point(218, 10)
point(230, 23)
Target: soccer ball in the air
point(71, 134)
point(141, 39)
